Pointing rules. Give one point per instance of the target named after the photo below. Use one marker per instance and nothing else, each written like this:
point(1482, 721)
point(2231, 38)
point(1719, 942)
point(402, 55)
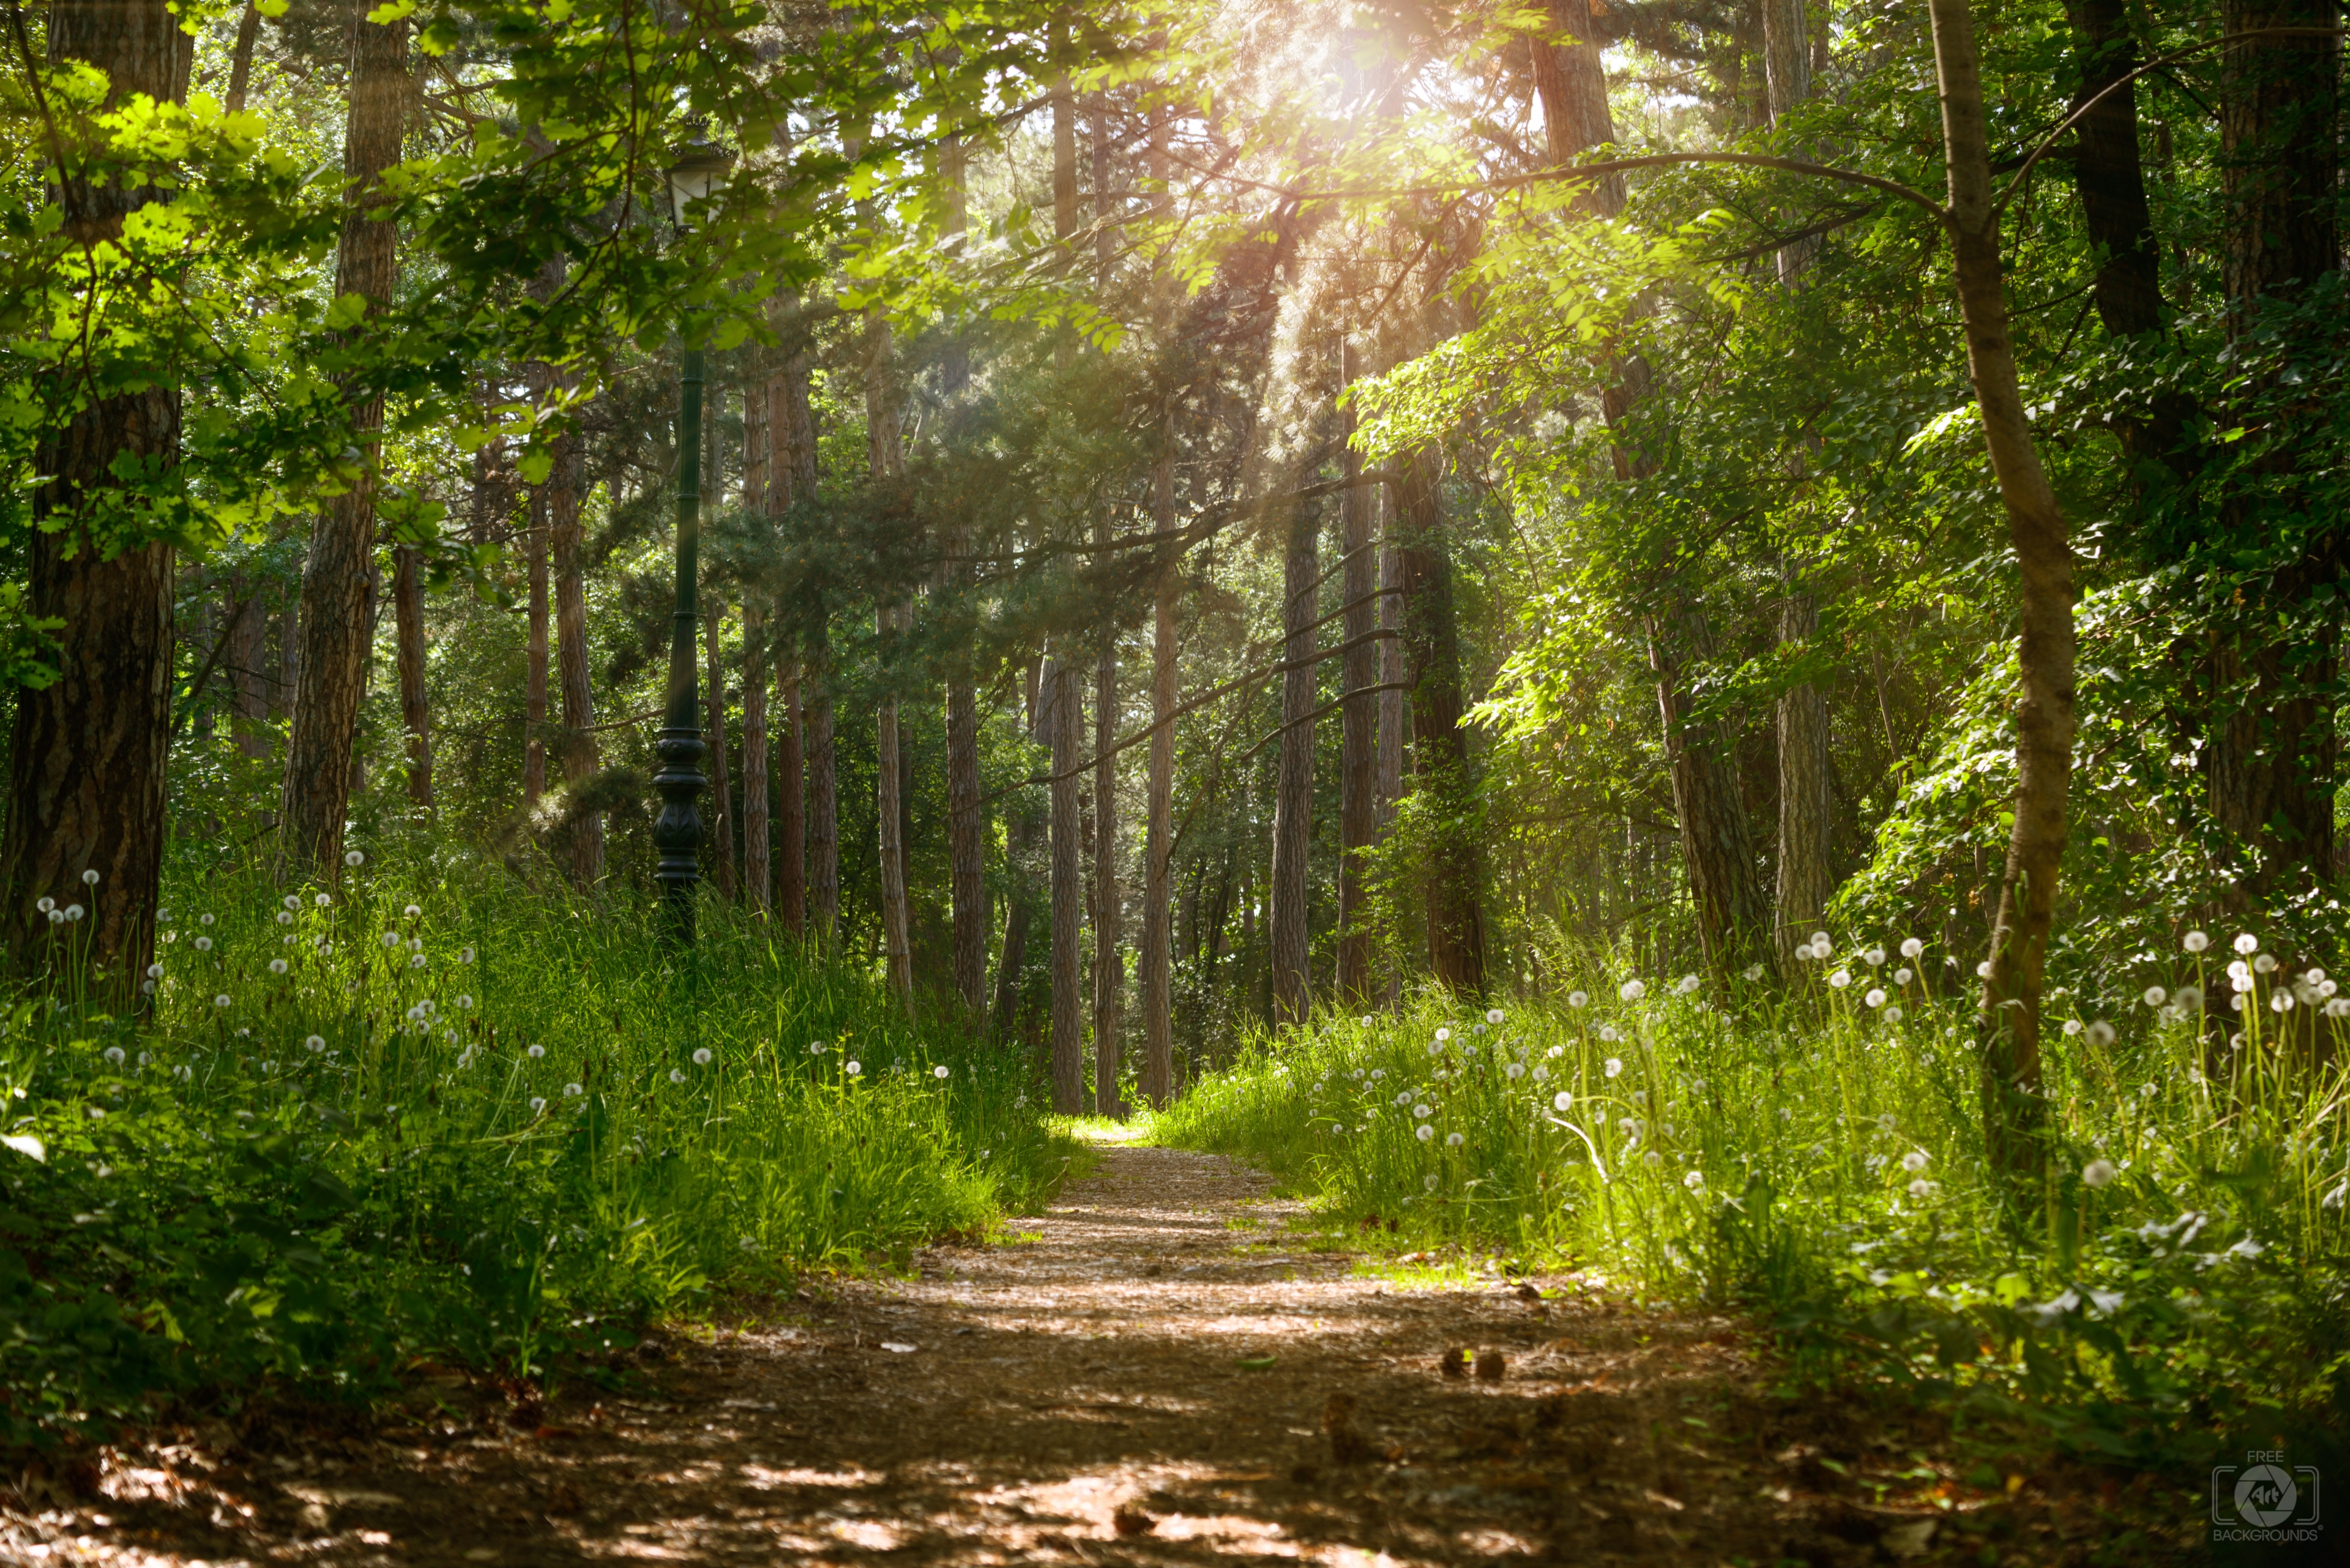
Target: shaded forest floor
point(1171, 1366)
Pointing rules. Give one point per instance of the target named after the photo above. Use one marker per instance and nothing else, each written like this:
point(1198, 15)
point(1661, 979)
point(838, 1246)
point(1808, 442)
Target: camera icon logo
point(2264, 1499)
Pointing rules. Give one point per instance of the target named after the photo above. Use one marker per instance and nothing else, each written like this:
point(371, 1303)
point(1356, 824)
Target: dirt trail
point(1149, 1380)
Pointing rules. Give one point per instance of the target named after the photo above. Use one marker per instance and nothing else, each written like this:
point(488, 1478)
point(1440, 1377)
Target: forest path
point(1084, 1394)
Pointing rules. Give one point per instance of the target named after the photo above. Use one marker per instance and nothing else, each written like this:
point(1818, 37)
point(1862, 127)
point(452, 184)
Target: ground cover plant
point(433, 1112)
point(2175, 1284)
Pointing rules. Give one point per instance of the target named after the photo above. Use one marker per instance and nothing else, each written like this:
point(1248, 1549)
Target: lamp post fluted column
point(679, 746)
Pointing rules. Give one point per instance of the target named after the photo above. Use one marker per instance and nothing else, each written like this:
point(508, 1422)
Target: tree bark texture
point(823, 864)
point(1571, 83)
point(1431, 642)
point(88, 754)
point(1806, 875)
point(791, 808)
point(336, 616)
point(1360, 719)
point(758, 883)
point(966, 817)
point(1717, 844)
point(247, 657)
point(1293, 802)
point(533, 751)
point(1109, 963)
point(582, 756)
point(1065, 711)
point(2014, 1113)
point(240, 60)
point(2270, 752)
point(415, 708)
point(1394, 714)
point(1154, 962)
point(884, 461)
point(721, 800)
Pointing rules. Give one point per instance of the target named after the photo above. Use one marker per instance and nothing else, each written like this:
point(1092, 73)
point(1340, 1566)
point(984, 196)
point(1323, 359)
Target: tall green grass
point(1817, 1151)
point(434, 1112)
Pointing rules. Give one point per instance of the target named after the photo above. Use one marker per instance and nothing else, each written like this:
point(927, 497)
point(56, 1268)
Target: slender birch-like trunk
point(1359, 720)
point(1293, 806)
point(415, 709)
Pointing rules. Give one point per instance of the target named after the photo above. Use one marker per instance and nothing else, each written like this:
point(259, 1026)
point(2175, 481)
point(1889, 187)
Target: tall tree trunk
point(1154, 963)
point(1456, 920)
point(1806, 878)
point(722, 806)
point(966, 817)
point(1109, 963)
point(415, 710)
point(2271, 747)
point(1717, 844)
point(1572, 84)
point(1293, 801)
point(822, 866)
point(582, 756)
point(533, 753)
point(1393, 714)
point(759, 500)
point(247, 657)
point(240, 60)
point(884, 461)
point(336, 618)
point(88, 752)
point(1358, 782)
point(791, 811)
point(2014, 1113)
point(1064, 711)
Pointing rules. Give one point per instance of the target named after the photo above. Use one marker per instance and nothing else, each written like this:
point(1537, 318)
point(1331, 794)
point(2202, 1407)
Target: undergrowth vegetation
point(1817, 1154)
point(435, 1113)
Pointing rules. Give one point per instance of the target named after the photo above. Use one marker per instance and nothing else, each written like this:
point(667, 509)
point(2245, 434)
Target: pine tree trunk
point(721, 800)
point(1065, 722)
point(2015, 1113)
point(966, 817)
point(758, 884)
point(2270, 752)
point(240, 60)
point(791, 814)
point(1394, 715)
point(582, 757)
point(534, 753)
point(415, 710)
point(1805, 876)
point(1109, 963)
point(1293, 802)
point(247, 657)
point(1717, 844)
point(1154, 963)
point(823, 804)
point(1358, 781)
point(1456, 921)
point(88, 754)
point(336, 615)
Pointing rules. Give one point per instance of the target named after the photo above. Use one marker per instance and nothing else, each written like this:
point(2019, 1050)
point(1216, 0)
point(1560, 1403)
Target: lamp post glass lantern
point(693, 182)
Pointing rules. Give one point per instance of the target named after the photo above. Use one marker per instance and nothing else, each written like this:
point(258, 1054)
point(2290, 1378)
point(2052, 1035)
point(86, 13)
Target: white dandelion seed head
point(1423, 1111)
point(203, 944)
point(571, 1089)
point(1476, 1029)
point(1615, 1067)
point(1893, 1015)
point(412, 911)
point(1911, 946)
point(292, 901)
point(1578, 999)
point(416, 961)
point(1632, 990)
point(220, 1002)
point(2187, 998)
point(2195, 941)
point(1542, 1075)
point(1874, 957)
point(277, 966)
point(1922, 1188)
point(322, 901)
point(316, 1044)
point(1515, 1071)
point(154, 971)
point(2315, 977)
point(1453, 1140)
point(56, 917)
point(1442, 1035)
point(1424, 1133)
point(203, 920)
point(75, 911)
point(2247, 944)
point(1983, 970)
point(44, 904)
point(938, 1072)
point(2072, 1026)
point(1874, 997)
point(677, 1075)
point(853, 1067)
point(1752, 971)
point(2155, 996)
point(1689, 983)
point(2281, 1001)
point(2101, 1032)
point(2097, 1173)
point(1562, 1101)
point(2264, 964)
point(113, 1053)
point(702, 1056)
point(89, 879)
point(283, 918)
point(1607, 1034)
point(535, 1052)
point(1904, 975)
point(353, 858)
point(1840, 978)
point(390, 940)
point(1694, 1180)
point(1914, 1161)
point(1493, 1014)
point(537, 1104)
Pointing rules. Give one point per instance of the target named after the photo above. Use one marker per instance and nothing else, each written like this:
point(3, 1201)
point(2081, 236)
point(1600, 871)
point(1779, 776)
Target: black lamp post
point(680, 747)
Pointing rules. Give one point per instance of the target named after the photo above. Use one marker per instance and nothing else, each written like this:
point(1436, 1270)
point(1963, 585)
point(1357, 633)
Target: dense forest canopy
point(1211, 517)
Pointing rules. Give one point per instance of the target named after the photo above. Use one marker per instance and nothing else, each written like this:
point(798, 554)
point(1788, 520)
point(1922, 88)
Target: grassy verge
point(435, 1113)
point(1817, 1157)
